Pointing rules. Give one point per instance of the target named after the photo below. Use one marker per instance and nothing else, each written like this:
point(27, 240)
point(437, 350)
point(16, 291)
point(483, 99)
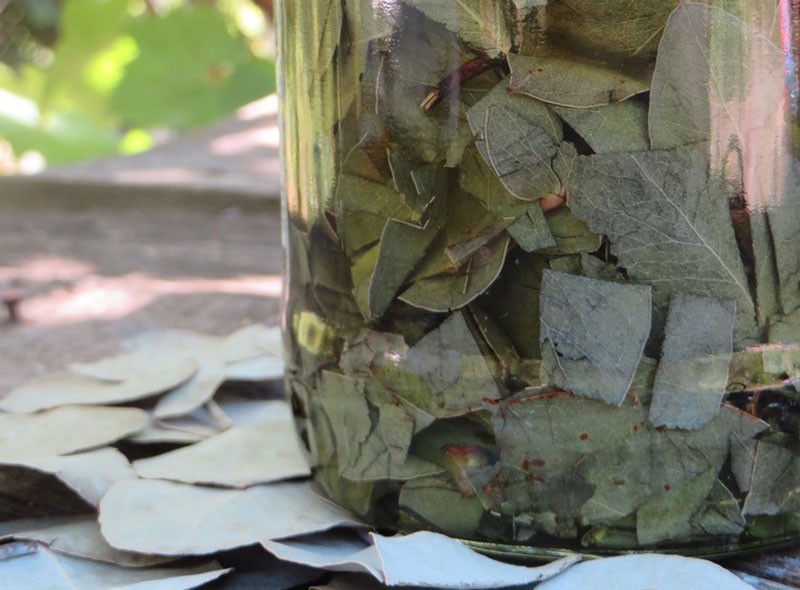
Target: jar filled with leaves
point(543, 268)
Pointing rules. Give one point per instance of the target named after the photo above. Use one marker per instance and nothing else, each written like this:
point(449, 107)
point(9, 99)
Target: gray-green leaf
point(668, 222)
point(593, 334)
point(693, 372)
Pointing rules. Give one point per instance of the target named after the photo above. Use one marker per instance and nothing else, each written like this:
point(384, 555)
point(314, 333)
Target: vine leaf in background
point(204, 61)
point(592, 334)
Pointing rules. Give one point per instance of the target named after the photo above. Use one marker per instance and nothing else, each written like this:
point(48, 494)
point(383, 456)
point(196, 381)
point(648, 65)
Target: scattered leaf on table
point(130, 365)
point(249, 342)
point(351, 581)
point(43, 569)
point(88, 474)
point(65, 430)
point(61, 389)
point(646, 572)
point(693, 372)
point(195, 392)
point(78, 536)
point(166, 518)
point(255, 569)
point(337, 551)
point(668, 222)
point(239, 457)
point(431, 560)
point(260, 368)
point(593, 334)
point(242, 411)
point(184, 430)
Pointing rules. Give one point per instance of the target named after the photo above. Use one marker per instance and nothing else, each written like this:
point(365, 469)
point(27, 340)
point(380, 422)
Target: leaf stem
point(453, 81)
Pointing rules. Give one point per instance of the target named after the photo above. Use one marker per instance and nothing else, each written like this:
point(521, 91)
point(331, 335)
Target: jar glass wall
point(543, 267)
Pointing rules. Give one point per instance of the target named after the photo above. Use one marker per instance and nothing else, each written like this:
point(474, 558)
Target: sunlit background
point(82, 79)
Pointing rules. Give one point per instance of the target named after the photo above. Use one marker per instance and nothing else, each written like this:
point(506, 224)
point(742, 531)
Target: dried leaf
point(667, 516)
point(336, 551)
point(65, 430)
point(61, 389)
point(720, 514)
point(421, 560)
point(617, 127)
point(89, 475)
point(195, 392)
point(668, 222)
point(368, 448)
point(595, 332)
point(597, 463)
point(482, 24)
point(240, 457)
point(664, 572)
point(431, 560)
point(165, 518)
point(559, 77)
point(78, 536)
point(260, 368)
point(250, 342)
point(435, 503)
point(450, 291)
point(693, 372)
point(453, 366)
point(519, 139)
point(775, 481)
point(42, 569)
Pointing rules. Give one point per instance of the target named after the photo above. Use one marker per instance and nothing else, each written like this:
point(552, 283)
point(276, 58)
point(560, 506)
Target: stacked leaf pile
point(228, 506)
point(544, 267)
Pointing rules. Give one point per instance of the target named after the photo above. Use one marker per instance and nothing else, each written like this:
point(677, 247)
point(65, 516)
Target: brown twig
point(453, 81)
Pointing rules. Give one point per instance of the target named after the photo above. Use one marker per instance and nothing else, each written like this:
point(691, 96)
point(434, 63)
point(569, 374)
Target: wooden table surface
point(186, 236)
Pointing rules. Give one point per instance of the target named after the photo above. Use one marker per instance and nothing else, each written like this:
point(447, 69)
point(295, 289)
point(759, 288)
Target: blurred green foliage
point(87, 78)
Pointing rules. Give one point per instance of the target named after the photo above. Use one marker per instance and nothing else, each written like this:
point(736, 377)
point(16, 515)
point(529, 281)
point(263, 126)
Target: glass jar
point(543, 268)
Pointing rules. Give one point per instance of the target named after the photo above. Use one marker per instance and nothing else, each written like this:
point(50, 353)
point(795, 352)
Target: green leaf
point(439, 505)
point(720, 514)
point(621, 28)
point(453, 366)
point(402, 247)
point(571, 235)
point(668, 223)
point(693, 372)
point(519, 139)
point(775, 483)
point(423, 54)
point(449, 291)
point(561, 78)
point(667, 516)
point(617, 127)
point(482, 24)
point(613, 450)
point(518, 287)
point(363, 210)
point(367, 450)
point(190, 53)
point(531, 231)
point(593, 334)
